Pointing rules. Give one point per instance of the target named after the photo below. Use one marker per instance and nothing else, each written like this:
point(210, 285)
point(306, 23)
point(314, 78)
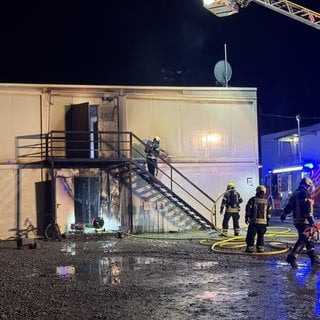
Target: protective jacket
point(300, 204)
point(258, 213)
point(152, 149)
point(258, 210)
point(231, 201)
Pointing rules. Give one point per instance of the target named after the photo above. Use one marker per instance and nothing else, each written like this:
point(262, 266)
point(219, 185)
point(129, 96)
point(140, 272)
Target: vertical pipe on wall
point(118, 124)
point(53, 194)
point(18, 202)
point(41, 133)
point(130, 187)
point(122, 122)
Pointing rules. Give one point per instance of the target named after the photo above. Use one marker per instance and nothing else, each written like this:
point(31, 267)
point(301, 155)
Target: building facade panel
point(210, 134)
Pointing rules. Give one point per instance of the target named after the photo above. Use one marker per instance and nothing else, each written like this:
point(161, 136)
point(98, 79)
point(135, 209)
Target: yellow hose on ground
point(239, 242)
point(229, 242)
point(230, 245)
point(219, 245)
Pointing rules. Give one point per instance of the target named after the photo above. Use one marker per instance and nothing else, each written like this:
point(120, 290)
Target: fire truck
point(223, 8)
point(280, 184)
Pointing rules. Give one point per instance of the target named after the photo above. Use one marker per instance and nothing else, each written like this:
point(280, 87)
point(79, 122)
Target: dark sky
point(166, 42)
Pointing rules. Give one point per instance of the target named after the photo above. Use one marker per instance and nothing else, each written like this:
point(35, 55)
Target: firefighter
point(231, 205)
point(258, 214)
point(301, 206)
point(152, 151)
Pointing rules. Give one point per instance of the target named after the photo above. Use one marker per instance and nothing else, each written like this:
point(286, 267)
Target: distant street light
point(299, 137)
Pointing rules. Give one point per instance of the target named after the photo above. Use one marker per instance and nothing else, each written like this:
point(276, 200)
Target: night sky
point(166, 42)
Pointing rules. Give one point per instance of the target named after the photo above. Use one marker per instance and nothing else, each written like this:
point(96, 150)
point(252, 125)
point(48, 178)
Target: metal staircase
point(186, 205)
point(178, 210)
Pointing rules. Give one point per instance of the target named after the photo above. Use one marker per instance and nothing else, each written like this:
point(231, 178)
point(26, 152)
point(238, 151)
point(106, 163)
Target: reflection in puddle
point(223, 294)
point(204, 264)
point(107, 246)
point(72, 247)
point(303, 282)
point(282, 263)
point(65, 271)
point(106, 271)
point(69, 248)
point(307, 284)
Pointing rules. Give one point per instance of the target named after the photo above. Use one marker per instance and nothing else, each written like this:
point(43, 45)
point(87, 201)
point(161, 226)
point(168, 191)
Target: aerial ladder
point(223, 8)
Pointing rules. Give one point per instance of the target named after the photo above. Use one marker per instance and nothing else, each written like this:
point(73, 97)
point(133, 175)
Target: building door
point(77, 121)
point(44, 205)
point(86, 199)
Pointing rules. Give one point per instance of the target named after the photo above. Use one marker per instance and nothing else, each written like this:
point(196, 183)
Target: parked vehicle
point(280, 184)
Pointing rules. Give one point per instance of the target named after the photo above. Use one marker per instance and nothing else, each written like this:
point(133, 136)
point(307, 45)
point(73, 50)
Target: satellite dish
point(223, 72)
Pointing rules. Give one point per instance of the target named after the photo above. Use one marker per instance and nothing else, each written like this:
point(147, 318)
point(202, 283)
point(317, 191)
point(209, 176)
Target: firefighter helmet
point(306, 182)
point(230, 185)
point(156, 138)
point(261, 188)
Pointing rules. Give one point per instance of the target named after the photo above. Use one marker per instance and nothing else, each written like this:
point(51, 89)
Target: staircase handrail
point(173, 169)
point(124, 146)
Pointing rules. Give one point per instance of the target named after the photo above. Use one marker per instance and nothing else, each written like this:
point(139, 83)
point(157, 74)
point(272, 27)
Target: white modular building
point(75, 153)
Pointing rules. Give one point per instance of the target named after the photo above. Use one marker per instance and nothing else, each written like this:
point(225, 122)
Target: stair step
point(176, 210)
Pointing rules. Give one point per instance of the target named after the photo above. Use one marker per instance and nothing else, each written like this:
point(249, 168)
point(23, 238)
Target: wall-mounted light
point(309, 165)
point(214, 138)
point(288, 169)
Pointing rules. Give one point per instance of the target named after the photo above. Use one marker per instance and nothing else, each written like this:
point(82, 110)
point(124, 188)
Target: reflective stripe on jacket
point(231, 201)
point(258, 210)
point(300, 204)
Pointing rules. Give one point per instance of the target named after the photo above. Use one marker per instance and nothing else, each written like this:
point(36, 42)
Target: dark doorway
point(86, 199)
point(44, 205)
point(77, 131)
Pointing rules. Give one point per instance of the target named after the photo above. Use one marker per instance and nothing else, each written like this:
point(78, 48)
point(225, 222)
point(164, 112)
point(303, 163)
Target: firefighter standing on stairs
point(301, 206)
point(153, 150)
point(231, 203)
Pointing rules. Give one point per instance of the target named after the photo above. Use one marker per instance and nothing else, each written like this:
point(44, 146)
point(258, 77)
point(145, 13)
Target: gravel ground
point(177, 277)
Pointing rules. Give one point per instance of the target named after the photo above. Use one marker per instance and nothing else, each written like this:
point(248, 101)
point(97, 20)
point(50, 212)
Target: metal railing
point(91, 146)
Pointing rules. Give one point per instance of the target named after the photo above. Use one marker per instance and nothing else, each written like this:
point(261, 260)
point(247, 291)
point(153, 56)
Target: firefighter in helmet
point(152, 151)
point(301, 206)
point(230, 205)
point(258, 214)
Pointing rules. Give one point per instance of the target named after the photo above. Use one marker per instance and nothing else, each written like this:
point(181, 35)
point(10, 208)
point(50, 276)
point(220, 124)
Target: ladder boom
point(223, 8)
point(293, 11)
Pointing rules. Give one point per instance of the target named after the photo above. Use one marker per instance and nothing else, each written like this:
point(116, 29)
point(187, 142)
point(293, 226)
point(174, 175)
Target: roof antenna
point(225, 63)
point(222, 70)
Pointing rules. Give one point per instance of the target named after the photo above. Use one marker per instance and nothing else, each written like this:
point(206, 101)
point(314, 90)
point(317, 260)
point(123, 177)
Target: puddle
point(73, 247)
point(69, 248)
point(202, 285)
point(222, 295)
point(282, 264)
point(204, 264)
point(107, 270)
point(65, 271)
